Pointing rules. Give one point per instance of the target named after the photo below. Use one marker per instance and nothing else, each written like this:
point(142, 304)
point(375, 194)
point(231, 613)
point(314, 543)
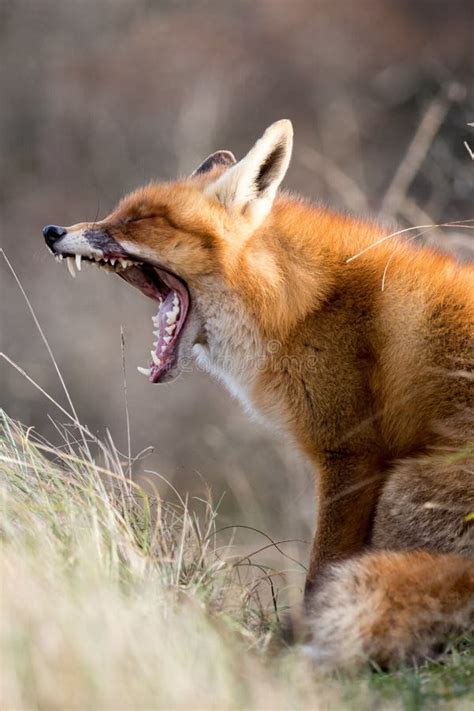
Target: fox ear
point(223, 158)
point(250, 186)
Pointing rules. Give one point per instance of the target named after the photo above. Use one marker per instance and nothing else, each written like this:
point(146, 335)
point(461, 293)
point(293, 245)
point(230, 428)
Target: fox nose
point(52, 233)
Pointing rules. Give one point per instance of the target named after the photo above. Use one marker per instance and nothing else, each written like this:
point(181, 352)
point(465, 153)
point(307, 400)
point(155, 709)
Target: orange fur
point(371, 383)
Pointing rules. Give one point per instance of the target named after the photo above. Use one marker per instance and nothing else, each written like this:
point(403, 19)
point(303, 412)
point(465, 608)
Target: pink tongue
point(166, 330)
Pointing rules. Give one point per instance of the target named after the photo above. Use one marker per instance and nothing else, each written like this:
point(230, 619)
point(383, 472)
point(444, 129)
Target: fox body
point(358, 348)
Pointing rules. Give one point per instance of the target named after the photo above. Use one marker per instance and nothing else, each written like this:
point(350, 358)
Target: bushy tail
point(389, 607)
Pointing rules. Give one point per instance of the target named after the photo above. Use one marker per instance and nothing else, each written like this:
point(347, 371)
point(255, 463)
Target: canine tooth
point(167, 339)
point(78, 262)
point(170, 329)
point(170, 317)
point(143, 371)
point(112, 261)
point(70, 266)
point(156, 360)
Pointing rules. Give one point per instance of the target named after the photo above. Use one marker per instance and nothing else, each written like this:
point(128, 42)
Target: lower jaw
point(168, 375)
point(184, 354)
point(168, 370)
point(165, 374)
point(169, 324)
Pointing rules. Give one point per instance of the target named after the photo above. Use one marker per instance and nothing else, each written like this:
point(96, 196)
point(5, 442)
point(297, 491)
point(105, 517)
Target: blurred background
point(97, 98)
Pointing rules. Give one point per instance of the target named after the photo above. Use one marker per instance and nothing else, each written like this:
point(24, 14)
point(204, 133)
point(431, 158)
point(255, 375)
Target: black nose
point(52, 233)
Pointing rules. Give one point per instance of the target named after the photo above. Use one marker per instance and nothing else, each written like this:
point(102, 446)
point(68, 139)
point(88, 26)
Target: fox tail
point(390, 608)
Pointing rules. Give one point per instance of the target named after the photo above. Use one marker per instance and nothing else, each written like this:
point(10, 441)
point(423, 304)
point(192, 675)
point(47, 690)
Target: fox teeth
point(156, 360)
point(167, 339)
point(70, 266)
point(170, 329)
point(155, 320)
point(175, 300)
point(109, 263)
point(144, 371)
point(171, 317)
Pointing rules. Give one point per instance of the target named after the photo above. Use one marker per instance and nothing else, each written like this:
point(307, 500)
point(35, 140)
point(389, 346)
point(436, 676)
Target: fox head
point(190, 246)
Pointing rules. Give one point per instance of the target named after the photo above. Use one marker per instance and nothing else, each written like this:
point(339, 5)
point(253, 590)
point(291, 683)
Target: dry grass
point(113, 598)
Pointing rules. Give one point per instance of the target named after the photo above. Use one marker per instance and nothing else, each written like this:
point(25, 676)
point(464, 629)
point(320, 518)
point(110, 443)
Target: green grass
point(112, 598)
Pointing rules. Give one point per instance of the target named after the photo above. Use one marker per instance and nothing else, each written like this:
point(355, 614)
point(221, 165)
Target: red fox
point(358, 348)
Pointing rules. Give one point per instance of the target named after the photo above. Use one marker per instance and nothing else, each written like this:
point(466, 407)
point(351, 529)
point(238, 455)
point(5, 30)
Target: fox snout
point(87, 240)
point(52, 233)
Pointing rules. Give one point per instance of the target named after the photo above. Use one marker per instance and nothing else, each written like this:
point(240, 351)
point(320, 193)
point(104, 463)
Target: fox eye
point(128, 220)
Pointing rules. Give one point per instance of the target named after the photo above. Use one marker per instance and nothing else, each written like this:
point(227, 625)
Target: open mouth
point(168, 290)
point(172, 297)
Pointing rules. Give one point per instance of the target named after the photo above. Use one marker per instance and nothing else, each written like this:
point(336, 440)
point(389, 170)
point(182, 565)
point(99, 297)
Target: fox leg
point(396, 605)
point(347, 492)
point(428, 503)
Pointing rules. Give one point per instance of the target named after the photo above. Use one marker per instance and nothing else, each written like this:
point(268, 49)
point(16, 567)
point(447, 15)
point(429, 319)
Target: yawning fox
point(359, 348)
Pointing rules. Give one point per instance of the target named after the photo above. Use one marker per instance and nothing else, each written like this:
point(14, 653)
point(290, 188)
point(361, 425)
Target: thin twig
point(46, 343)
point(342, 183)
point(269, 538)
point(410, 239)
point(469, 149)
point(127, 412)
point(419, 147)
point(459, 224)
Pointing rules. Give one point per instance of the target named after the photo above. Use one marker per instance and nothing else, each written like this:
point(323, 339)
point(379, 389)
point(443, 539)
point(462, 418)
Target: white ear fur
point(250, 185)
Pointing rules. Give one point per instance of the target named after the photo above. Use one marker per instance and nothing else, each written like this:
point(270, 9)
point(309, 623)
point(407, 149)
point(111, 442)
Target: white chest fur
point(235, 352)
